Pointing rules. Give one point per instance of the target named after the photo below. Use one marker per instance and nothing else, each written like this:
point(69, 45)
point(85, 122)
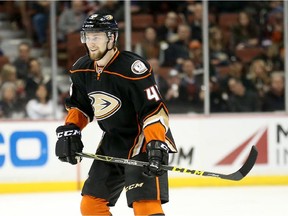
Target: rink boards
point(217, 143)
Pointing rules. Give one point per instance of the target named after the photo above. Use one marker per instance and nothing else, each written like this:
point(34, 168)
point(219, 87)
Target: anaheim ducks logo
point(104, 104)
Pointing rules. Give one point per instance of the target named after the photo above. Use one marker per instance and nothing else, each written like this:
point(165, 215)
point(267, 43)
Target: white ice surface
point(205, 201)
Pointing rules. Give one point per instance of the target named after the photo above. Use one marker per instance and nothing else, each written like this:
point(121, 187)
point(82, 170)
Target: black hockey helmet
point(100, 23)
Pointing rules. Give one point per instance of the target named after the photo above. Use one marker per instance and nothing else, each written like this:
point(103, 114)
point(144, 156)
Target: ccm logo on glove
point(69, 143)
point(68, 133)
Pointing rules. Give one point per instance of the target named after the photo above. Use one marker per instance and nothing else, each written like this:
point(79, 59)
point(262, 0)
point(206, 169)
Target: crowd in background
point(174, 48)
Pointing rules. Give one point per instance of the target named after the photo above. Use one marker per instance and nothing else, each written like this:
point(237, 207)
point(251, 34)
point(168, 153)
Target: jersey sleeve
point(152, 112)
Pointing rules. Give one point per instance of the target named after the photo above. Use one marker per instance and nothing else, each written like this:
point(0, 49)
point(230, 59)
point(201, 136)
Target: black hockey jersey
point(124, 99)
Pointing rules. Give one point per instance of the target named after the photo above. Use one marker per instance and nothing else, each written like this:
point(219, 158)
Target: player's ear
point(112, 40)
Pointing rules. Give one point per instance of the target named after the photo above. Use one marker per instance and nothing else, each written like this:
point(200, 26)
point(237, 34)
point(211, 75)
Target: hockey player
point(118, 89)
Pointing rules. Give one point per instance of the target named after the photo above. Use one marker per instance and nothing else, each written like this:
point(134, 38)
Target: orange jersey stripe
point(114, 57)
point(126, 77)
point(82, 70)
point(158, 187)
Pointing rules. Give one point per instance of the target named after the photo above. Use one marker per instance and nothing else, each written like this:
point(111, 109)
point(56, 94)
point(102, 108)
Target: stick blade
point(247, 166)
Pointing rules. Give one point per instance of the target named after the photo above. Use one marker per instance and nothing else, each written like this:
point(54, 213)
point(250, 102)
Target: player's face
point(97, 44)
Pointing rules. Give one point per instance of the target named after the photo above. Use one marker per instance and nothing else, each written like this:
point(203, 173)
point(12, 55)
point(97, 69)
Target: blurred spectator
point(11, 106)
point(196, 54)
point(245, 33)
point(36, 77)
point(40, 18)
point(238, 70)
point(71, 19)
point(241, 99)
point(114, 7)
point(217, 47)
point(273, 22)
point(41, 107)
point(273, 56)
point(277, 27)
point(25, 19)
point(178, 51)
point(160, 78)
point(279, 62)
point(259, 75)
point(190, 87)
point(274, 99)
point(218, 98)
point(8, 74)
point(149, 47)
point(171, 97)
point(194, 20)
point(22, 60)
point(168, 31)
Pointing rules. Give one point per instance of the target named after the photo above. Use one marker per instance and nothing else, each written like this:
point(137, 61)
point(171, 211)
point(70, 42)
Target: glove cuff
point(157, 145)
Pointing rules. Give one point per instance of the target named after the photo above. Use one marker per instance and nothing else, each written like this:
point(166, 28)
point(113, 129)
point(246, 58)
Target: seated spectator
point(40, 20)
point(35, 78)
point(71, 19)
point(8, 74)
point(258, 74)
point(115, 8)
point(41, 107)
point(218, 98)
point(11, 106)
point(22, 60)
point(245, 33)
point(196, 54)
point(190, 87)
point(217, 47)
point(193, 18)
point(160, 79)
point(149, 47)
point(275, 22)
point(238, 70)
point(241, 99)
point(178, 50)
point(171, 97)
point(274, 99)
point(168, 31)
point(25, 19)
point(279, 64)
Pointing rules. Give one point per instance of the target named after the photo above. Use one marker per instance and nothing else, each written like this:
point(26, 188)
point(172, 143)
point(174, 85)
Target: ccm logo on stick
point(16, 142)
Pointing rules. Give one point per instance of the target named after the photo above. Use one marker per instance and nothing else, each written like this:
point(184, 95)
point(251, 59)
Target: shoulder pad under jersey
point(130, 65)
point(82, 63)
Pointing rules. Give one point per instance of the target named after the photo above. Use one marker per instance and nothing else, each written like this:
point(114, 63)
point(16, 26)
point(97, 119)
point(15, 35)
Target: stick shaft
point(236, 176)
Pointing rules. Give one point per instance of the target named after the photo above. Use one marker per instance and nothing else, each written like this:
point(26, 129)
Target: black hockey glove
point(157, 155)
point(69, 142)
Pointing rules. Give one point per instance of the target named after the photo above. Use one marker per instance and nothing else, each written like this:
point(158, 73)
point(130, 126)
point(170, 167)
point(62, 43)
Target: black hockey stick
point(236, 176)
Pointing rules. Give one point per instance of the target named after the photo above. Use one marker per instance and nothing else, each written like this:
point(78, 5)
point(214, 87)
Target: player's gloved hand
point(69, 142)
point(157, 156)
